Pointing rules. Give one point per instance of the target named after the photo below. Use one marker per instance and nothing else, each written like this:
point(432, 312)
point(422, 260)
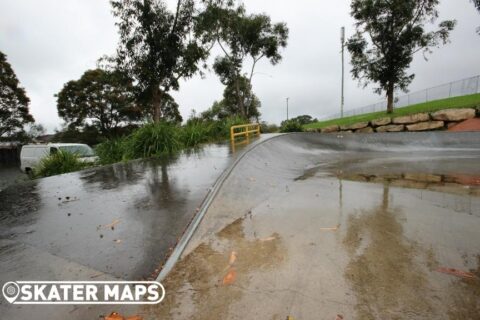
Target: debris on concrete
point(457, 273)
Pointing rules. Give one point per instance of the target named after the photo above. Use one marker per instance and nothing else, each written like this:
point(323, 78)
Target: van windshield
point(81, 150)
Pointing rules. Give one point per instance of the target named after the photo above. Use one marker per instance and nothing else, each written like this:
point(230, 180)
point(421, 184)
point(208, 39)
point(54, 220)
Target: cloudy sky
point(50, 42)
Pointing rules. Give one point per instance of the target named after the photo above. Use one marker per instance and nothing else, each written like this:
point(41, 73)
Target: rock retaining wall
point(438, 120)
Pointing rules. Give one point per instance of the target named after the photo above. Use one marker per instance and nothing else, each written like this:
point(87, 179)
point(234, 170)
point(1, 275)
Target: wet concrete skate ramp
point(118, 221)
point(374, 226)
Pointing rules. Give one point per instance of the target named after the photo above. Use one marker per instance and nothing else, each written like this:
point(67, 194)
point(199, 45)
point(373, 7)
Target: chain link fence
point(453, 89)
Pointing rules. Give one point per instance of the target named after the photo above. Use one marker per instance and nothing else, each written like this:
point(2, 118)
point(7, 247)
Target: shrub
point(111, 151)
point(58, 163)
point(291, 126)
point(153, 139)
point(268, 128)
point(194, 133)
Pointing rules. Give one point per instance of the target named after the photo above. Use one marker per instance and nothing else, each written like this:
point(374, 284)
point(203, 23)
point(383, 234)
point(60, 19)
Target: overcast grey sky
point(50, 42)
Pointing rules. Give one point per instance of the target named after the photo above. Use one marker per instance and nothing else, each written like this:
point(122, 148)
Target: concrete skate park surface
point(311, 226)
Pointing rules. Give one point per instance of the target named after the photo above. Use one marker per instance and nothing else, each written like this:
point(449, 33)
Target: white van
point(32, 154)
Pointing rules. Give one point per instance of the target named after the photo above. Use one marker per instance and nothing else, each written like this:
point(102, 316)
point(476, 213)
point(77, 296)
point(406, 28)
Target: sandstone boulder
point(381, 122)
point(425, 126)
point(332, 128)
point(355, 126)
point(454, 114)
point(365, 130)
point(391, 128)
point(414, 118)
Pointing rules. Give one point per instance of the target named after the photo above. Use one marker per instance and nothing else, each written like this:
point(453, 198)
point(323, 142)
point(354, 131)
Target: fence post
point(450, 90)
point(478, 84)
point(426, 94)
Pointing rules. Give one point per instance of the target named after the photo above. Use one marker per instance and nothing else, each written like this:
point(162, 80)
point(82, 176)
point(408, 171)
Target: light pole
point(287, 107)
point(342, 39)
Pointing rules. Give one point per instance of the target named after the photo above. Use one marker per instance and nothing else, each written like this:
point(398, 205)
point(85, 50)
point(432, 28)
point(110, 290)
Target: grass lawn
point(455, 102)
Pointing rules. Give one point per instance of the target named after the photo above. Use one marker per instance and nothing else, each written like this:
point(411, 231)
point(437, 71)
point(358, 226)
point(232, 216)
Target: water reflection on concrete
point(362, 235)
point(120, 220)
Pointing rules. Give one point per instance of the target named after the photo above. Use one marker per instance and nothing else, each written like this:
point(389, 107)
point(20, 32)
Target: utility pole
point(342, 39)
point(287, 107)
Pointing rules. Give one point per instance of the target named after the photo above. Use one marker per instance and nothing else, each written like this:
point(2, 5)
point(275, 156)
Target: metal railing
point(453, 89)
point(244, 130)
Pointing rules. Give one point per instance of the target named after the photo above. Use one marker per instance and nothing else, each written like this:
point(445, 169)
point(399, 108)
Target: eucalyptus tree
point(157, 48)
point(388, 34)
point(240, 36)
point(14, 111)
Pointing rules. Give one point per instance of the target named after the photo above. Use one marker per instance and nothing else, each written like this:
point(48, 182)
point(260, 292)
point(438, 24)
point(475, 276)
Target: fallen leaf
point(331, 228)
point(230, 277)
point(233, 257)
point(113, 224)
point(118, 241)
point(96, 275)
point(114, 316)
point(457, 273)
point(268, 239)
point(117, 316)
point(339, 317)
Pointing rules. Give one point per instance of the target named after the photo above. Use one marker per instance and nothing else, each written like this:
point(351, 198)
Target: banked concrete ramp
point(374, 226)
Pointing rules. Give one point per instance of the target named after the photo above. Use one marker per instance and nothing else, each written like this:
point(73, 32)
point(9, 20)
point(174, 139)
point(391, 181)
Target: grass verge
point(455, 102)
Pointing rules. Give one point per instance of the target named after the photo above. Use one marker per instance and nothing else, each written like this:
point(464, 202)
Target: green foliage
point(112, 150)
point(396, 30)
point(304, 119)
point(469, 101)
point(58, 163)
point(291, 125)
point(104, 98)
point(14, 113)
point(268, 128)
point(156, 48)
point(240, 36)
point(157, 139)
point(154, 139)
point(194, 133)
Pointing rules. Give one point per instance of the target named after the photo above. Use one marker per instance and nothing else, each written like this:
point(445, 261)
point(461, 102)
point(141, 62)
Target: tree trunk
point(157, 105)
point(239, 97)
point(390, 98)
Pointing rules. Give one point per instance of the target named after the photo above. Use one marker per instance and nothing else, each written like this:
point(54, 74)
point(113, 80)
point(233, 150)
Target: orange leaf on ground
point(117, 316)
point(457, 273)
point(230, 277)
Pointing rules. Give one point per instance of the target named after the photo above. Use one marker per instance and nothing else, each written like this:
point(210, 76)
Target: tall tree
point(14, 112)
point(241, 36)
point(99, 97)
point(156, 47)
point(396, 31)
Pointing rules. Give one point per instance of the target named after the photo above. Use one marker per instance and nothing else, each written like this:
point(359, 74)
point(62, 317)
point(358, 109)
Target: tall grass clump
point(112, 150)
point(194, 133)
point(58, 163)
point(153, 139)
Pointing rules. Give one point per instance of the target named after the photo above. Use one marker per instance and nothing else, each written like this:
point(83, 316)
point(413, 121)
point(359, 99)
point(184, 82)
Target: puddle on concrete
point(386, 271)
point(217, 274)
point(120, 220)
point(366, 248)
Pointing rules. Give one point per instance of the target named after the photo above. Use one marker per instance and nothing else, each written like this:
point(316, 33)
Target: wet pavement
point(310, 230)
point(379, 226)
